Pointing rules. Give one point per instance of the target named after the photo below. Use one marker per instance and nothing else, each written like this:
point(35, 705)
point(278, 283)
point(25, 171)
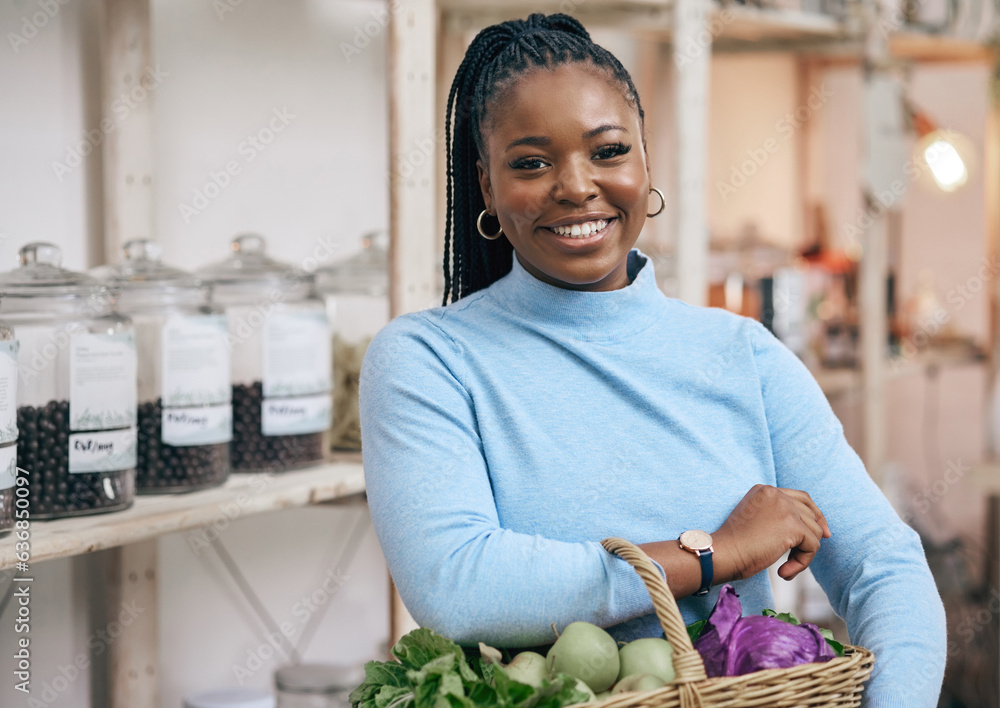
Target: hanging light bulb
point(946, 154)
point(946, 164)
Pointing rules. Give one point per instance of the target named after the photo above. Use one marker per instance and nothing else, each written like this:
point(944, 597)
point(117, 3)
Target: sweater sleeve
point(872, 567)
point(457, 570)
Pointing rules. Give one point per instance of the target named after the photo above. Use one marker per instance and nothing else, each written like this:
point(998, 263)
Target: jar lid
point(248, 263)
point(142, 280)
point(41, 283)
point(365, 273)
point(230, 698)
point(142, 266)
point(41, 272)
point(318, 678)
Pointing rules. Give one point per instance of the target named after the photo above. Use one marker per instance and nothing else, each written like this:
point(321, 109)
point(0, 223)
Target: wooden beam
point(991, 181)
point(691, 72)
point(917, 46)
point(128, 83)
point(414, 144)
point(132, 619)
point(883, 156)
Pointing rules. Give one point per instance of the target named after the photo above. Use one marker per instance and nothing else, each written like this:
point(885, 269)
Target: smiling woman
point(558, 398)
point(569, 187)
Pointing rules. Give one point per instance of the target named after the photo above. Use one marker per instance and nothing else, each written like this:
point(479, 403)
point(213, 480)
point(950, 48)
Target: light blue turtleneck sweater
point(505, 435)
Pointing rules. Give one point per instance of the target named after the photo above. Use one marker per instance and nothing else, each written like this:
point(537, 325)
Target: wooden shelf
point(835, 382)
point(729, 22)
point(242, 495)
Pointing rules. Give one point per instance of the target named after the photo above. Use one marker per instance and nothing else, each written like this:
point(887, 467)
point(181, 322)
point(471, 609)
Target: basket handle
point(687, 661)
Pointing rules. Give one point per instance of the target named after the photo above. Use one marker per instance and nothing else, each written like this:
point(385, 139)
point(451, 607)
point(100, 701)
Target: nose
point(574, 183)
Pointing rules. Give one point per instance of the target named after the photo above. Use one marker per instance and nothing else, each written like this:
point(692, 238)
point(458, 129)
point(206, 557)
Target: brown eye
point(527, 163)
point(607, 152)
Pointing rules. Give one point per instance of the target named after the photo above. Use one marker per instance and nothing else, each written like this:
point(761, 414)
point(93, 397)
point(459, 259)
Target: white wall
point(322, 179)
point(748, 183)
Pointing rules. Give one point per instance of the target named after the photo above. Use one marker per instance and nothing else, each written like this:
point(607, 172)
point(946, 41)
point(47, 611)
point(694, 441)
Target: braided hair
point(496, 59)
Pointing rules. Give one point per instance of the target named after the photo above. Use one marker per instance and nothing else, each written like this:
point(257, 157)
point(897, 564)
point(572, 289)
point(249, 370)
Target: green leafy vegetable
point(696, 628)
point(788, 617)
point(432, 672)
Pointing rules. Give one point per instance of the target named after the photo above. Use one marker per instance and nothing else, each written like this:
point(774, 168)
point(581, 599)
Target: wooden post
point(991, 179)
point(128, 82)
point(692, 65)
point(885, 153)
point(132, 621)
point(413, 147)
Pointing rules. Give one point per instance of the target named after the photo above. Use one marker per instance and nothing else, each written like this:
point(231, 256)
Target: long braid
point(497, 57)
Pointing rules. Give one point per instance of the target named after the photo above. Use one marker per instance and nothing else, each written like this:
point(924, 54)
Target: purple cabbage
point(733, 645)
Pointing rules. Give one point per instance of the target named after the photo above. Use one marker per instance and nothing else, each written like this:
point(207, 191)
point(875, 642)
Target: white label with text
point(8, 466)
point(203, 425)
point(195, 361)
point(102, 386)
point(297, 354)
point(8, 391)
point(102, 451)
point(296, 416)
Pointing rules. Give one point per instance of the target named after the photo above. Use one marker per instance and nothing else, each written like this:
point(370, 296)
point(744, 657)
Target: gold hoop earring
point(479, 227)
point(663, 202)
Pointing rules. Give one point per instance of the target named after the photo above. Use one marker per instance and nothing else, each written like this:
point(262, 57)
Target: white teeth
point(581, 230)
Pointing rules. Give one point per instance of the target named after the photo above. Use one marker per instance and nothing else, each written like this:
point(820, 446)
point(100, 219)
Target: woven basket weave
point(834, 684)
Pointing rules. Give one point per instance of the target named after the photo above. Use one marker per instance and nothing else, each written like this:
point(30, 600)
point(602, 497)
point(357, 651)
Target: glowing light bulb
point(946, 164)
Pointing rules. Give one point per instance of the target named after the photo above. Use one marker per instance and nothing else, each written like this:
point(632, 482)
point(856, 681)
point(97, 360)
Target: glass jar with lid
point(76, 397)
point(280, 352)
point(316, 685)
point(185, 411)
point(356, 291)
point(8, 427)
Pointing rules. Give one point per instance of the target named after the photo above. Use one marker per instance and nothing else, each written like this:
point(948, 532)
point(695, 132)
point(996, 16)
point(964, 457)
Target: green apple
point(651, 656)
point(528, 667)
point(639, 682)
point(586, 652)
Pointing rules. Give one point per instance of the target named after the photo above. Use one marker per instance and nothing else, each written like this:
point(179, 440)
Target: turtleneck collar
point(611, 314)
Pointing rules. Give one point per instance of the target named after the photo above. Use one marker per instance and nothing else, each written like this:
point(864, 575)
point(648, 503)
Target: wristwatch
point(700, 543)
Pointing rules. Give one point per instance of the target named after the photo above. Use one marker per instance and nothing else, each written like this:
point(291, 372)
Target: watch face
point(696, 540)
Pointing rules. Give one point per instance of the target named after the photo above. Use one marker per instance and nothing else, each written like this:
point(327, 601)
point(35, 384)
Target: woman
point(561, 398)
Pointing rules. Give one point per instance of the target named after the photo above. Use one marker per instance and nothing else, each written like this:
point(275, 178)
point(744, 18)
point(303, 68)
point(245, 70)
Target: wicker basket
point(834, 684)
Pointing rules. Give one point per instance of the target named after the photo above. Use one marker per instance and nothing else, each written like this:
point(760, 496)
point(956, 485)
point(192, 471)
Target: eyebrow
point(541, 140)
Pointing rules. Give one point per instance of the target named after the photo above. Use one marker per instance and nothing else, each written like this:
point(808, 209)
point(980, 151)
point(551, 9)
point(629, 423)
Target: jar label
point(102, 451)
point(102, 385)
point(195, 360)
point(200, 425)
point(296, 357)
point(296, 416)
point(8, 392)
point(8, 466)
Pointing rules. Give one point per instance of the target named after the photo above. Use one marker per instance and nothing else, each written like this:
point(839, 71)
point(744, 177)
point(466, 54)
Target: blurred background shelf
point(151, 516)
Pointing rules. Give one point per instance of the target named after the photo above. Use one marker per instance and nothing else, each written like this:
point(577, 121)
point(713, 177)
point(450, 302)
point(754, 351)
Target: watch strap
point(707, 572)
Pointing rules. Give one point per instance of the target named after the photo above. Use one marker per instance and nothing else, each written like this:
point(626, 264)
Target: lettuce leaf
point(431, 671)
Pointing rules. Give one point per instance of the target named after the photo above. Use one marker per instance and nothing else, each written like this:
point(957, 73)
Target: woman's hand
point(766, 523)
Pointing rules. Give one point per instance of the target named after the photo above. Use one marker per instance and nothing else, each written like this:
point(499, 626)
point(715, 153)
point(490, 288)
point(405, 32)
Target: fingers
point(806, 500)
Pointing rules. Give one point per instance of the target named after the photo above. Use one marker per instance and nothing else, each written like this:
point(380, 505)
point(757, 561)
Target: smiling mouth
point(581, 230)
